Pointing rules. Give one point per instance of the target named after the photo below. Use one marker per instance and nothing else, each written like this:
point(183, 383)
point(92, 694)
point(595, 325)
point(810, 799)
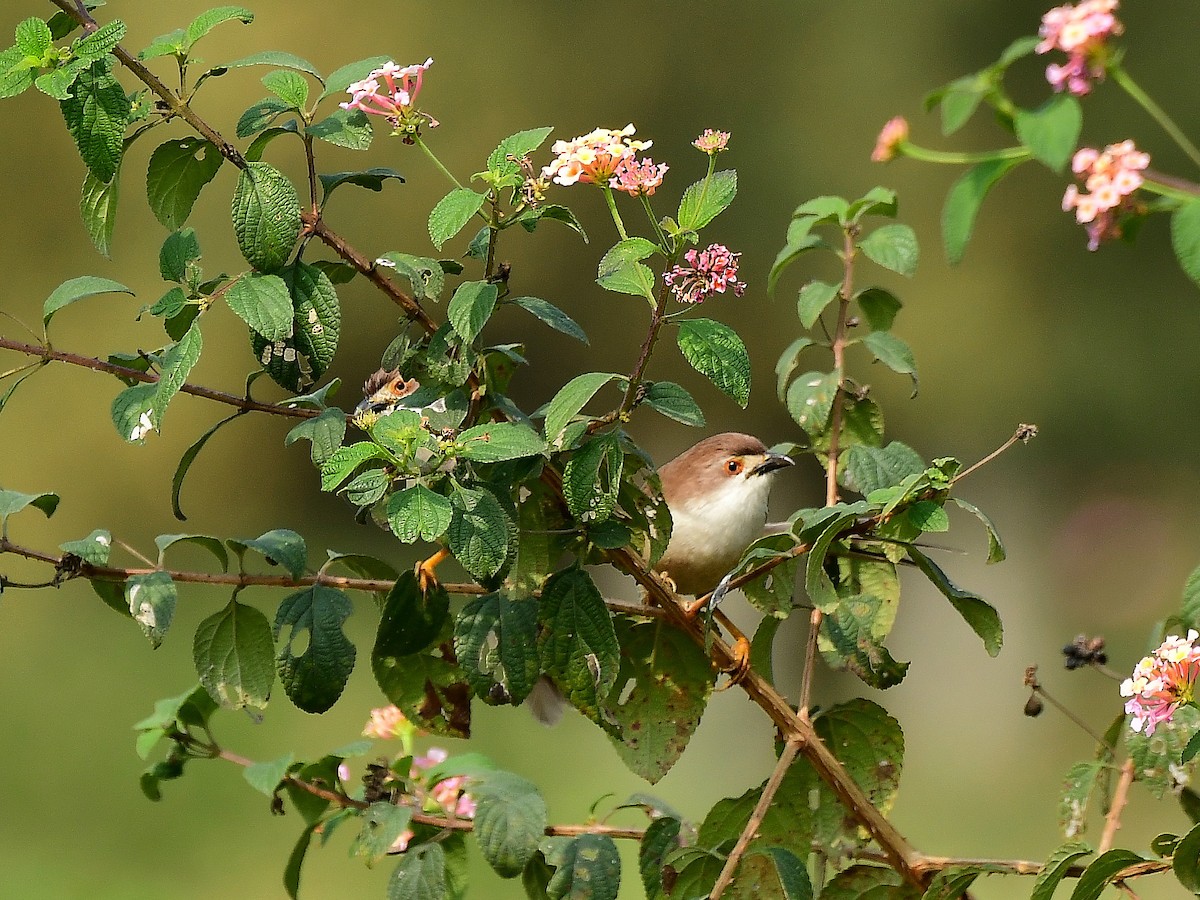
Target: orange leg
point(427, 570)
point(740, 651)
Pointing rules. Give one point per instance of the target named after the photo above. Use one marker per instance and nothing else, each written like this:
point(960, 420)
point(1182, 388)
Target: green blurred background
point(1097, 349)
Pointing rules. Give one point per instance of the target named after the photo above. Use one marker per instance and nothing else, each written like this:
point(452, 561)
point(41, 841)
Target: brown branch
point(98, 365)
point(1112, 822)
point(1024, 434)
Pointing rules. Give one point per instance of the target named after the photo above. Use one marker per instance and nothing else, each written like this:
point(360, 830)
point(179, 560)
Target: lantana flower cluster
point(1081, 31)
point(711, 142)
point(709, 271)
point(391, 91)
point(893, 134)
point(1162, 682)
point(1110, 177)
point(596, 157)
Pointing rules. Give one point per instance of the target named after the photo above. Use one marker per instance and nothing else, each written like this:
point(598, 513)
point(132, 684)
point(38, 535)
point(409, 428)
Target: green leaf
point(1051, 132)
point(662, 836)
point(706, 199)
point(341, 464)
point(586, 867)
point(788, 362)
point(452, 213)
point(520, 144)
point(578, 644)
point(176, 364)
point(1101, 872)
point(715, 351)
point(178, 253)
point(551, 315)
point(1077, 791)
point(207, 21)
point(270, 58)
point(570, 399)
point(772, 593)
point(478, 532)
point(620, 270)
point(878, 201)
point(864, 882)
point(1185, 860)
point(928, 516)
point(495, 640)
point(266, 216)
point(169, 44)
point(265, 777)
point(12, 502)
point(280, 547)
point(893, 353)
point(233, 652)
point(16, 77)
point(76, 289)
point(674, 402)
point(260, 115)
point(346, 75)
point(498, 441)
point(151, 598)
point(297, 362)
point(849, 639)
point(316, 677)
point(879, 307)
point(996, 551)
point(592, 478)
point(471, 307)
point(131, 412)
point(1191, 749)
point(177, 172)
point(382, 825)
point(372, 179)
point(661, 690)
point(1055, 869)
point(424, 274)
point(980, 615)
point(418, 513)
point(1156, 757)
point(963, 200)
point(288, 86)
point(185, 464)
point(93, 549)
point(873, 468)
point(420, 874)
point(775, 872)
point(33, 37)
point(1185, 238)
point(810, 400)
point(510, 821)
point(411, 620)
point(347, 128)
point(98, 209)
point(791, 251)
point(96, 111)
point(264, 303)
point(211, 544)
point(814, 297)
point(892, 246)
point(958, 102)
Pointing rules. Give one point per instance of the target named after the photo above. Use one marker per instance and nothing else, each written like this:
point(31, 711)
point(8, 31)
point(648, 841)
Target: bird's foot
point(739, 665)
point(427, 570)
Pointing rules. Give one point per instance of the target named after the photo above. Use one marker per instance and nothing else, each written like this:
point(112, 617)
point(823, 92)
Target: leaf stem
point(1024, 434)
point(1121, 77)
point(419, 141)
point(959, 158)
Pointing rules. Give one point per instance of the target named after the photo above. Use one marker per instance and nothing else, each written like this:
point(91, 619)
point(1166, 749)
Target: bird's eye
point(733, 466)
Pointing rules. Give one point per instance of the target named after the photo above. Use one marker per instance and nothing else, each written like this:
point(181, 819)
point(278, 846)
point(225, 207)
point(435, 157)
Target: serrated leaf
point(347, 128)
point(716, 352)
point(1097, 876)
point(706, 199)
point(848, 640)
point(295, 363)
point(418, 513)
point(259, 116)
point(510, 821)
point(928, 516)
point(452, 213)
point(892, 246)
point(674, 402)
point(265, 777)
point(169, 44)
point(93, 549)
point(963, 200)
point(1077, 791)
point(478, 532)
point(570, 399)
point(372, 179)
point(382, 825)
point(178, 252)
point(816, 581)
point(495, 640)
point(1185, 238)
point(661, 690)
point(865, 882)
point(662, 835)
point(499, 441)
point(288, 86)
point(893, 353)
point(586, 867)
point(551, 315)
point(1156, 757)
point(98, 209)
point(271, 58)
point(578, 645)
point(316, 677)
point(873, 468)
point(207, 21)
point(151, 599)
point(1185, 860)
point(340, 465)
point(174, 368)
point(233, 652)
point(1051, 132)
point(177, 172)
point(131, 412)
point(592, 478)
point(813, 299)
point(96, 111)
point(810, 399)
point(76, 289)
point(471, 307)
point(520, 144)
point(280, 547)
point(420, 874)
point(15, 76)
point(264, 303)
point(980, 615)
point(620, 270)
point(1055, 869)
point(266, 216)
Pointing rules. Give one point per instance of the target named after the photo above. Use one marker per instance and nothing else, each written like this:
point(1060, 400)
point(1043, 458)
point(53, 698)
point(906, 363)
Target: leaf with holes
point(177, 173)
point(315, 678)
point(266, 216)
point(495, 640)
point(296, 362)
point(577, 644)
point(592, 478)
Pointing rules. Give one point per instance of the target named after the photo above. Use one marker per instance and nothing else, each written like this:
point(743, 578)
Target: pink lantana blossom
point(638, 177)
point(891, 137)
point(594, 157)
point(391, 91)
point(1082, 32)
point(1162, 682)
point(1110, 177)
point(709, 271)
point(711, 142)
point(388, 722)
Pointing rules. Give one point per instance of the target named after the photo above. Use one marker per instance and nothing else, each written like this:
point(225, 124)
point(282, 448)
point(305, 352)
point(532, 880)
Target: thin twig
point(1112, 822)
point(1023, 434)
point(786, 758)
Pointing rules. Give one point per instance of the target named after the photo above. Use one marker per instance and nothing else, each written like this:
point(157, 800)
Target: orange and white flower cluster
point(1110, 178)
point(596, 157)
point(391, 91)
point(1081, 31)
point(1162, 682)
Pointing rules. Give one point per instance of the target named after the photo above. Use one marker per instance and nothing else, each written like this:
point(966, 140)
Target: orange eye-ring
point(733, 466)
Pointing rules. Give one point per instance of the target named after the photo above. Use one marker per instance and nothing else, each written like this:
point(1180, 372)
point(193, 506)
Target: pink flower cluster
point(1110, 177)
point(712, 142)
point(1163, 682)
point(388, 722)
point(395, 98)
point(448, 797)
point(708, 272)
point(891, 136)
point(1080, 31)
point(638, 177)
point(594, 157)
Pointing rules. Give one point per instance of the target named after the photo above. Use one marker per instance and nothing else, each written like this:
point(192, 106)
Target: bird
point(717, 494)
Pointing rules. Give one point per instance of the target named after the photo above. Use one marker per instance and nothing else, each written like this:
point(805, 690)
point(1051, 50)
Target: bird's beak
point(771, 462)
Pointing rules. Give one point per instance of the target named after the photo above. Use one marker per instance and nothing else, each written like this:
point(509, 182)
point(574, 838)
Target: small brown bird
point(717, 493)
